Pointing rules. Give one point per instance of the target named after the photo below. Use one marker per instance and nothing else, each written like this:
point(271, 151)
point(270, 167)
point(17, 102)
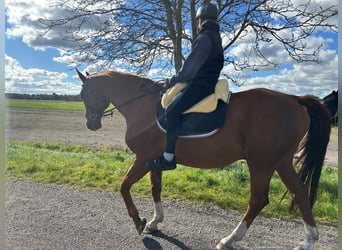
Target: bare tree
point(148, 33)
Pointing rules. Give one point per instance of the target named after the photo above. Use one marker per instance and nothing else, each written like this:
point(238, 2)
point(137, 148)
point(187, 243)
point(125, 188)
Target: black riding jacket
point(205, 61)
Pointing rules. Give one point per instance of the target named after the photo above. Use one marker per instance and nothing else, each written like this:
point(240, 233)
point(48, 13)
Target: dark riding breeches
point(191, 95)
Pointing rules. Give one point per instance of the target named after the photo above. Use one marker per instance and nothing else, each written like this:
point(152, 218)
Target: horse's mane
point(139, 83)
point(115, 73)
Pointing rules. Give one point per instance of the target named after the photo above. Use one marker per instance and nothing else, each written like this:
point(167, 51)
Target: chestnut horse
point(263, 127)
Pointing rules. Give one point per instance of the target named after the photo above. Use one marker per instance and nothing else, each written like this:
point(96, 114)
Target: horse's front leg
point(135, 173)
point(152, 226)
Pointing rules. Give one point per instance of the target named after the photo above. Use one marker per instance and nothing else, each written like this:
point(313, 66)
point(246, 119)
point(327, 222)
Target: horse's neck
point(138, 105)
point(141, 116)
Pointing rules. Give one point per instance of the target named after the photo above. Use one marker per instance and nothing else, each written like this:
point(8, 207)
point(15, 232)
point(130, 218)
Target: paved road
point(45, 216)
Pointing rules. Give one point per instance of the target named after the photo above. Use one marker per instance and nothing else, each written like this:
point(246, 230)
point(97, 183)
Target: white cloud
point(307, 78)
point(72, 59)
point(23, 18)
point(290, 77)
point(35, 81)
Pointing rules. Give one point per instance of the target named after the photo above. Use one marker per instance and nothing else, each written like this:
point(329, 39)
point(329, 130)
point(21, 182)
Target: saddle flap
point(195, 125)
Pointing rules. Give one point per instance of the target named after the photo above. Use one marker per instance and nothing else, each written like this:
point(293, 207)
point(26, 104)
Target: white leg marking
point(311, 235)
point(158, 216)
point(311, 232)
point(229, 242)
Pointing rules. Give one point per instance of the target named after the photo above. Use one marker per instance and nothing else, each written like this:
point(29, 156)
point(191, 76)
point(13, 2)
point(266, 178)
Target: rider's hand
point(169, 82)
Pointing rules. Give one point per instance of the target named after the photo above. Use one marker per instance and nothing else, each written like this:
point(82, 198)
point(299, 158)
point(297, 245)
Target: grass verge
point(45, 104)
point(103, 169)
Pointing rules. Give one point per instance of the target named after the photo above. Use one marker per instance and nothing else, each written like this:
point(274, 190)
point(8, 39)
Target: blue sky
point(30, 57)
point(36, 65)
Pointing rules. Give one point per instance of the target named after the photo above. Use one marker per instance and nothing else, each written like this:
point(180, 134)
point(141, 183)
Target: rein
point(108, 112)
point(111, 111)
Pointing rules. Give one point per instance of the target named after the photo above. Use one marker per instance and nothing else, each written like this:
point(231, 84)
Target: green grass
point(45, 104)
point(103, 169)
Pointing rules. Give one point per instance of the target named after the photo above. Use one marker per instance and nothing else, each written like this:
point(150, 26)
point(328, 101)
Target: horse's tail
point(313, 146)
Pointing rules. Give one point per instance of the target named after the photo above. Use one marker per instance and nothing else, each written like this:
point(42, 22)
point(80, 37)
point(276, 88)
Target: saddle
point(203, 119)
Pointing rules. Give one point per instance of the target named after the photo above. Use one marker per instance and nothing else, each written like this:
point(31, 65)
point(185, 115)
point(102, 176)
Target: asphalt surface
point(48, 216)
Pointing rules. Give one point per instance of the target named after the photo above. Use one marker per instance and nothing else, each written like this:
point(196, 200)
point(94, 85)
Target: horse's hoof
point(141, 226)
point(150, 228)
point(305, 245)
point(221, 246)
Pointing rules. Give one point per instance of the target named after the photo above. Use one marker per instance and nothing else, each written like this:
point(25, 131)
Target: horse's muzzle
point(93, 125)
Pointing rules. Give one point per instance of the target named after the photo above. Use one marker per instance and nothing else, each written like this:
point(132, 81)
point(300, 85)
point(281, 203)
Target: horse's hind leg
point(260, 180)
point(158, 216)
point(297, 191)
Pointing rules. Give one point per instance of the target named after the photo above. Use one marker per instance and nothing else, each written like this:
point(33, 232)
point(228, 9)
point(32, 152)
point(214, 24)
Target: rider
point(200, 71)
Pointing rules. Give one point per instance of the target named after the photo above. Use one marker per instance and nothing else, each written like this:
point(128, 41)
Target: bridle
point(86, 93)
point(109, 112)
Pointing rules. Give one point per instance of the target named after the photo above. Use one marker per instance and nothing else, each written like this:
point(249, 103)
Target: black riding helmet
point(207, 11)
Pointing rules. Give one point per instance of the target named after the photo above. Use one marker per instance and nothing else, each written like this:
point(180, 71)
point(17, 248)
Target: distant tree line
point(52, 96)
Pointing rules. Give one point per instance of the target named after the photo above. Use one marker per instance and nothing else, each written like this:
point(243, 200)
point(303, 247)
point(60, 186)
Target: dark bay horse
point(331, 103)
point(263, 127)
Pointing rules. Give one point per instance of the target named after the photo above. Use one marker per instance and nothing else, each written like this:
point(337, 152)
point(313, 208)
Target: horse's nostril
point(92, 125)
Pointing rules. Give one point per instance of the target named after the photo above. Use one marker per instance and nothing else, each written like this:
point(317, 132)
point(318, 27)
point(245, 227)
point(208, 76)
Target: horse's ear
point(87, 73)
point(81, 76)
